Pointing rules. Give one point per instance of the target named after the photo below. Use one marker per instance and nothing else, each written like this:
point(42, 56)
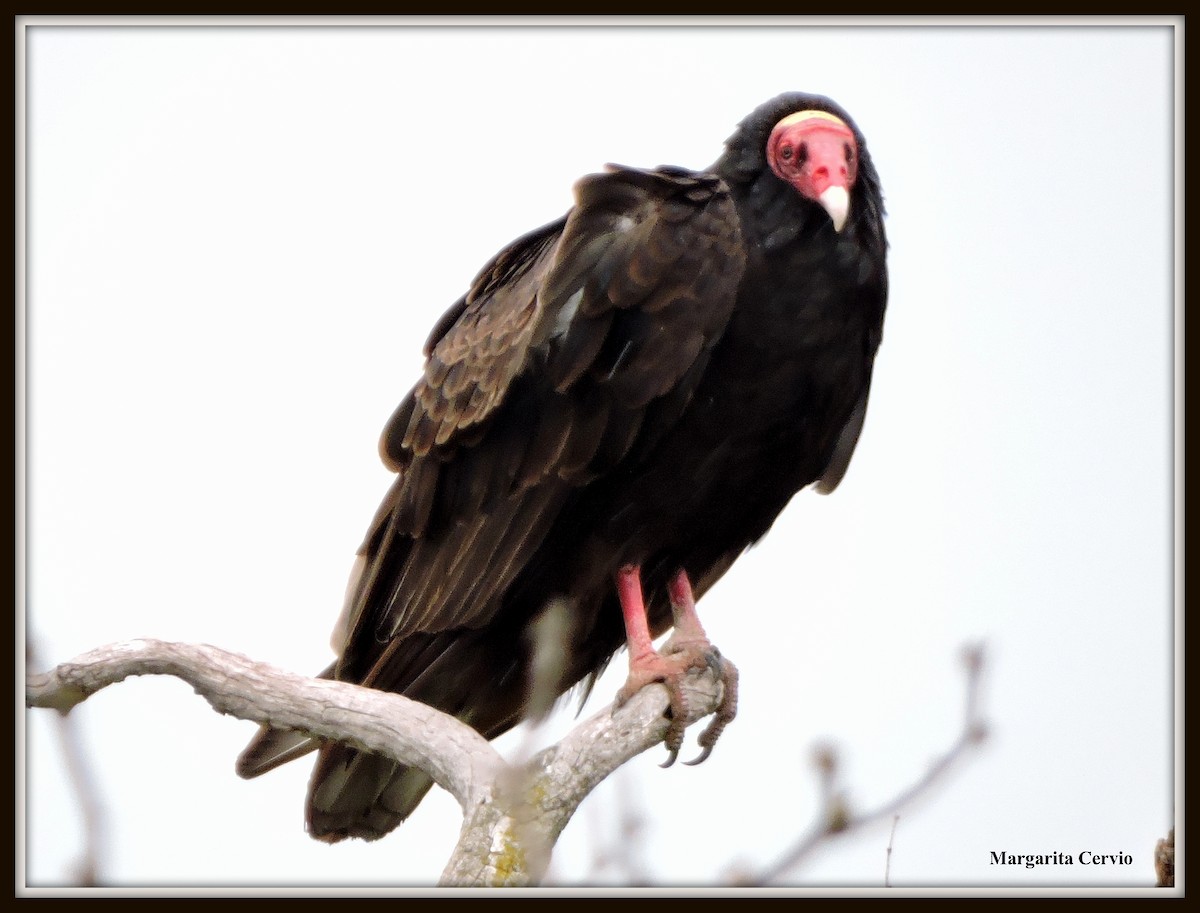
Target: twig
point(88, 869)
point(835, 818)
point(619, 848)
point(887, 866)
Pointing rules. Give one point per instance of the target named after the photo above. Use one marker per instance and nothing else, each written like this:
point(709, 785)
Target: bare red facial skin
point(813, 154)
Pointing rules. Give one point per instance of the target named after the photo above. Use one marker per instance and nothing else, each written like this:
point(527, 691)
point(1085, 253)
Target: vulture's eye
point(786, 153)
point(849, 153)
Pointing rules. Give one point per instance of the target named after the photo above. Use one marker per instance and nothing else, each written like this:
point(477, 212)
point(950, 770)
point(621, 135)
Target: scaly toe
point(725, 713)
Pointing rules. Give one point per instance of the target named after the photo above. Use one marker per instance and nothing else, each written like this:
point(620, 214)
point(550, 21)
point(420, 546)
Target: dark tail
point(357, 794)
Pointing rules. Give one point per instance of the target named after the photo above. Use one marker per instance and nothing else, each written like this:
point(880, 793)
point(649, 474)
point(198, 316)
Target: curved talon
point(674, 742)
point(708, 738)
point(727, 673)
point(715, 662)
point(700, 760)
point(676, 729)
point(622, 698)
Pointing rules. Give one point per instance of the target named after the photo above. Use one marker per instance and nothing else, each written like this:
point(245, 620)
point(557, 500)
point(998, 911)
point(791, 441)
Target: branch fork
point(512, 814)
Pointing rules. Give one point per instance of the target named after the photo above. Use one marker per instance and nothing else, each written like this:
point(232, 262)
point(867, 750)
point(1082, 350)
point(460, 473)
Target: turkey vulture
point(621, 404)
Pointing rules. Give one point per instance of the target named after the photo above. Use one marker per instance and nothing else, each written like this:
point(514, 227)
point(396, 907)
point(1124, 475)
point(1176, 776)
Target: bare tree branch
point(512, 814)
point(506, 838)
point(887, 868)
point(455, 755)
point(89, 870)
point(618, 838)
point(835, 818)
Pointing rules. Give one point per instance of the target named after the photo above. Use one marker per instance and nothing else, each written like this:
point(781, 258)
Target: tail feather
point(473, 677)
point(271, 748)
point(355, 794)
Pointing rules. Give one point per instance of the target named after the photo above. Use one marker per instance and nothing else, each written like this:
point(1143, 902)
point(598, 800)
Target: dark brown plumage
point(643, 383)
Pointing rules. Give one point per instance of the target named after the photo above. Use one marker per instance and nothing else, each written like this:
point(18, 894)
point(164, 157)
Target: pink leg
point(637, 626)
point(683, 606)
point(687, 648)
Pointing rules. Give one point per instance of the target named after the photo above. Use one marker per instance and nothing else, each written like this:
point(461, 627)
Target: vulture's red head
point(817, 153)
point(808, 146)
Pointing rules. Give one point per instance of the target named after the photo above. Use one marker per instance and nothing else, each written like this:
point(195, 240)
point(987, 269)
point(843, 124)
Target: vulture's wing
point(844, 449)
point(847, 440)
point(536, 382)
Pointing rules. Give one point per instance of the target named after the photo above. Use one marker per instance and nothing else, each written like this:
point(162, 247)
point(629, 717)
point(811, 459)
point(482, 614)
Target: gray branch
point(837, 820)
point(512, 814)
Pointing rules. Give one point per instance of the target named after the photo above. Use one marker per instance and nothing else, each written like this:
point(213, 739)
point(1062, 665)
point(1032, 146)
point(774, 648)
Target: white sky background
point(239, 240)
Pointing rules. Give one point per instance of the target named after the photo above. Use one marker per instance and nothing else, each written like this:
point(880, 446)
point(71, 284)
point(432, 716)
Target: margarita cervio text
point(1030, 860)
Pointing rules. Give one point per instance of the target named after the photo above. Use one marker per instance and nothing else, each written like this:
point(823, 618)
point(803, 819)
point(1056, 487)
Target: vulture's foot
point(687, 648)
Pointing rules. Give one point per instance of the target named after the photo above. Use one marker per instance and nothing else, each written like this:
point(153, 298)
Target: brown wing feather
point(476, 348)
point(616, 303)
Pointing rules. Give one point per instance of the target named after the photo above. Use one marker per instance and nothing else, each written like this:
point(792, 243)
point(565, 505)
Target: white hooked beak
point(835, 200)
